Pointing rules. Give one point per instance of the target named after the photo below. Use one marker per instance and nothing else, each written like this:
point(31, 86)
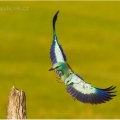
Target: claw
point(59, 80)
point(58, 77)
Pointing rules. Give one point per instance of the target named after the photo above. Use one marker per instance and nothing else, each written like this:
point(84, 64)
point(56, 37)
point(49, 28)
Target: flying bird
point(75, 85)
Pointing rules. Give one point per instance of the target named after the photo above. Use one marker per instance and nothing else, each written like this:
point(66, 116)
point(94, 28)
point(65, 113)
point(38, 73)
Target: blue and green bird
point(75, 85)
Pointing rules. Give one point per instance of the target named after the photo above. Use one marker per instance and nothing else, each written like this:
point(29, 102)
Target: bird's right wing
point(56, 51)
point(86, 93)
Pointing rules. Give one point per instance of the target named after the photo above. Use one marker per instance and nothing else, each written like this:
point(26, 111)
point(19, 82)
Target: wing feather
point(56, 51)
point(87, 93)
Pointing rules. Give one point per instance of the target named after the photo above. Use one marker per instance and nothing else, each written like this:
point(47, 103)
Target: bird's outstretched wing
point(86, 93)
point(56, 51)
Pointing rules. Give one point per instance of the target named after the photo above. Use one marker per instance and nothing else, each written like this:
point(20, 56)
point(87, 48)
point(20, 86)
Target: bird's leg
point(59, 80)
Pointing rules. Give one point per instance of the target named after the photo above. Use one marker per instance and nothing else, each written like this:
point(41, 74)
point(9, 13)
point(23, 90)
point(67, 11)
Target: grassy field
point(90, 35)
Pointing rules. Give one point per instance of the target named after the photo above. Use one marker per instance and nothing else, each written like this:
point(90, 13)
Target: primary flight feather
point(75, 85)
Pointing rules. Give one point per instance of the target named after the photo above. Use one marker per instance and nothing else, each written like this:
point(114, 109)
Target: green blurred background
point(90, 35)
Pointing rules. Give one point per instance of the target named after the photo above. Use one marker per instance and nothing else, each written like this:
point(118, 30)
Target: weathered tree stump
point(16, 108)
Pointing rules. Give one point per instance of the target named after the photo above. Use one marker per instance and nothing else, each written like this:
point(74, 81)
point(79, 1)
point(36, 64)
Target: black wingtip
point(54, 19)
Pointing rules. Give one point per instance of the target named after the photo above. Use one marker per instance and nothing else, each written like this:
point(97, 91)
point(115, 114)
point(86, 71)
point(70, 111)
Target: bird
point(75, 84)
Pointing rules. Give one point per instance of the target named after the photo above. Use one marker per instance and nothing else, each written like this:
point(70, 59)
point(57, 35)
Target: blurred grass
point(89, 33)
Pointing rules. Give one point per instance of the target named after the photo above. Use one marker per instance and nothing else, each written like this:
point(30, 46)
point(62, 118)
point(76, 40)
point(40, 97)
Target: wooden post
point(16, 108)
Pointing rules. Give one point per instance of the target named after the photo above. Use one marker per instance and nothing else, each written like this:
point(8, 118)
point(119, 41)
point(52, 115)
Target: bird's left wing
point(86, 93)
point(56, 51)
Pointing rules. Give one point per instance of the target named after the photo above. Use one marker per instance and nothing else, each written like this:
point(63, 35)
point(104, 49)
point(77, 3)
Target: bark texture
point(16, 108)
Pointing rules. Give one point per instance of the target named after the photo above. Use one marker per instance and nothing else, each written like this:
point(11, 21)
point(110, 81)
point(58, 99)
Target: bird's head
point(58, 66)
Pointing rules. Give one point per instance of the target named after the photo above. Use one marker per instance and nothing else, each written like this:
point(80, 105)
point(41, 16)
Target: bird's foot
point(58, 77)
point(59, 80)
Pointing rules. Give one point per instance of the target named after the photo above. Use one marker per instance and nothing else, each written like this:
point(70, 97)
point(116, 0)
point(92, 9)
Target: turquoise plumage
point(75, 85)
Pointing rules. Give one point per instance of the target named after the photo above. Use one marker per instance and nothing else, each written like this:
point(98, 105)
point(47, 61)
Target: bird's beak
point(51, 69)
